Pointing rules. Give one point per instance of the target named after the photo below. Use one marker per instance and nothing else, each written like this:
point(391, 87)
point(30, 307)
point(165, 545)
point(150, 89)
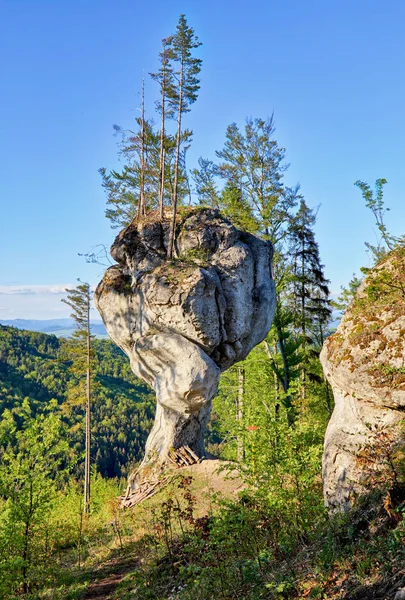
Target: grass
point(182, 545)
point(199, 540)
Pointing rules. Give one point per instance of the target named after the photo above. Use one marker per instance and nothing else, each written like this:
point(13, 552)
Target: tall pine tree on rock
point(165, 79)
point(186, 69)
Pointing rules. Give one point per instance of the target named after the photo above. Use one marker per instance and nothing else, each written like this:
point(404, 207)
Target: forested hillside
point(34, 370)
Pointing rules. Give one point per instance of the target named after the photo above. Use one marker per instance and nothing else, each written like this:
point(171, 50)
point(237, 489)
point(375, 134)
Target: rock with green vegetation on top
point(182, 322)
point(364, 361)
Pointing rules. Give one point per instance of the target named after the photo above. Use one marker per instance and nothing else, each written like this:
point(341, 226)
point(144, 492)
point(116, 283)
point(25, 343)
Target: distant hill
point(58, 327)
point(34, 369)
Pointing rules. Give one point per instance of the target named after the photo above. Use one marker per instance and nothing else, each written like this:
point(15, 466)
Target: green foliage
point(123, 187)
point(33, 366)
point(205, 185)
point(185, 67)
point(374, 200)
point(254, 198)
point(237, 550)
point(80, 350)
point(253, 163)
point(347, 294)
point(29, 475)
point(310, 299)
point(154, 172)
point(236, 207)
point(384, 289)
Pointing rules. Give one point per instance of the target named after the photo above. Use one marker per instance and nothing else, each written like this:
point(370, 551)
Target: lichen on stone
point(364, 362)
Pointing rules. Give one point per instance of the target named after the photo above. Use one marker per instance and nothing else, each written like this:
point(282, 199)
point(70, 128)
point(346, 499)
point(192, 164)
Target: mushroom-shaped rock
point(182, 322)
point(364, 362)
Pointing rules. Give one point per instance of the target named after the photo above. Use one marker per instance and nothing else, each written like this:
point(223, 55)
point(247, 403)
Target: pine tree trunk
point(285, 379)
point(239, 413)
point(285, 382)
point(303, 324)
point(276, 396)
point(88, 432)
point(176, 171)
point(141, 207)
point(162, 157)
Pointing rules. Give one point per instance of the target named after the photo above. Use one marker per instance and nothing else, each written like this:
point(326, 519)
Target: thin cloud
point(33, 290)
point(35, 301)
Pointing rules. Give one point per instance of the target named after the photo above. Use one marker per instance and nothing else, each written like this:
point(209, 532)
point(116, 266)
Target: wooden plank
point(193, 454)
point(183, 454)
point(180, 458)
point(146, 490)
point(172, 458)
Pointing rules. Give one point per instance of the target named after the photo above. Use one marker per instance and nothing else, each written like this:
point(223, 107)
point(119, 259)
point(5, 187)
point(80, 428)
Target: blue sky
point(332, 72)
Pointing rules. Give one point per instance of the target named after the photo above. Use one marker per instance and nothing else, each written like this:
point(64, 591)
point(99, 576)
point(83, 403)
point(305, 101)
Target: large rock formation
point(364, 362)
point(183, 322)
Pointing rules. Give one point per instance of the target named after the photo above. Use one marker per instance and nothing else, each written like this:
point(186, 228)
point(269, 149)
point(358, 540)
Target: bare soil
point(110, 576)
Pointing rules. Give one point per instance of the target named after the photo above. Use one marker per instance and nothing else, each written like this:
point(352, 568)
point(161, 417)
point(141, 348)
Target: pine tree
point(80, 351)
point(165, 78)
point(123, 189)
point(182, 95)
point(283, 349)
point(139, 178)
point(309, 300)
point(253, 162)
point(141, 205)
point(255, 199)
point(205, 186)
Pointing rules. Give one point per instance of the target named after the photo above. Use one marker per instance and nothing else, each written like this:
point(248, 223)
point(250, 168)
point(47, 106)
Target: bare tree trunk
point(276, 395)
point(79, 541)
point(303, 325)
point(162, 156)
point(176, 170)
point(239, 413)
point(88, 433)
point(141, 207)
point(285, 379)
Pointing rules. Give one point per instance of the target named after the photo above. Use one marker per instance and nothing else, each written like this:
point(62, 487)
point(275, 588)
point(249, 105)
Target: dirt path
point(110, 576)
point(207, 482)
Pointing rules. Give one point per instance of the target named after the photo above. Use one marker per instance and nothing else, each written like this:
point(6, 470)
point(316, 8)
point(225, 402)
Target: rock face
point(183, 322)
point(364, 362)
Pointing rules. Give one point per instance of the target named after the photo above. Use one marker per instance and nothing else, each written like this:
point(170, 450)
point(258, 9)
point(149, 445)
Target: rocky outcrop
point(183, 322)
point(364, 362)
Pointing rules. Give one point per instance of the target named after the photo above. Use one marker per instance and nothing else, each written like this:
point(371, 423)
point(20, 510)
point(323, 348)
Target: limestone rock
point(364, 362)
point(182, 322)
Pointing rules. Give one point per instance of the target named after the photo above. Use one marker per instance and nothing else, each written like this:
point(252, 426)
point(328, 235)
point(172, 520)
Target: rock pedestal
point(182, 322)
